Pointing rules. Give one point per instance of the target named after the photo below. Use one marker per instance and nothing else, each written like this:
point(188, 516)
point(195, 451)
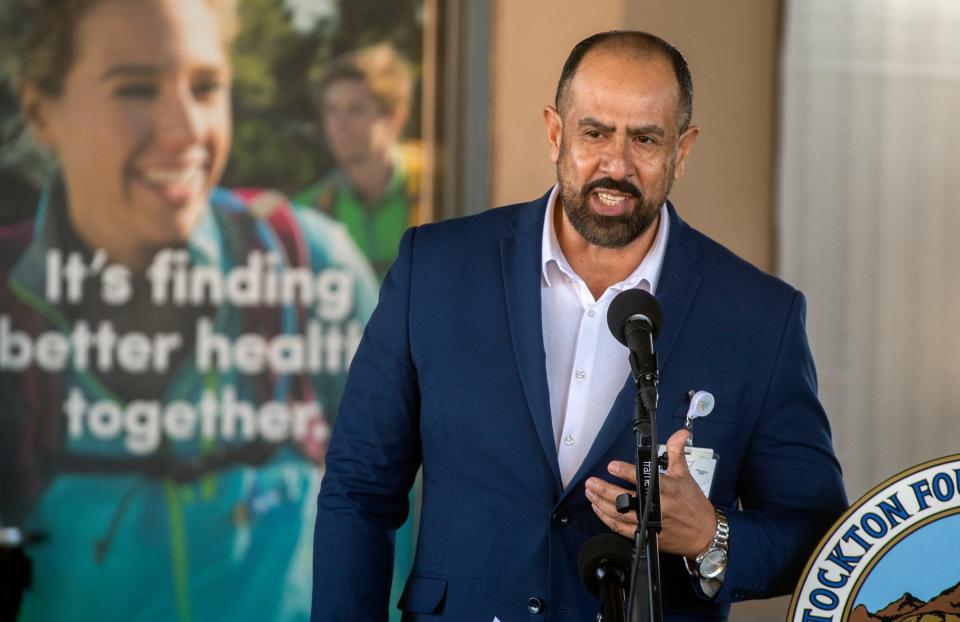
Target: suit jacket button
point(560, 518)
point(534, 605)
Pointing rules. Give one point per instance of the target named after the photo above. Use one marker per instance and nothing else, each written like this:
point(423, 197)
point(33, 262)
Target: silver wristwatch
point(711, 563)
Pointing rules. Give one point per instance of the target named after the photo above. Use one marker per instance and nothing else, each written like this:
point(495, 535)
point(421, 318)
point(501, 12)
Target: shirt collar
point(648, 270)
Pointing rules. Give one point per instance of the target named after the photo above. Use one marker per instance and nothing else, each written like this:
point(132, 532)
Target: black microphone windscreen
point(628, 303)
point(608, 549)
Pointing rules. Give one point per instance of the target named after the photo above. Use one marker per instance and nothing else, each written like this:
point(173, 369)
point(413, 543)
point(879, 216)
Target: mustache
point(618, 185)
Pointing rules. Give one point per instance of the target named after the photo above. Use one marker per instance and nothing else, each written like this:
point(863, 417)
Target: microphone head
point(629, 303)
point(604, 549)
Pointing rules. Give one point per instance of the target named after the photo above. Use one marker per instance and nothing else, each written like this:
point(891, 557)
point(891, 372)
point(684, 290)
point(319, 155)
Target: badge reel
point(702, 461)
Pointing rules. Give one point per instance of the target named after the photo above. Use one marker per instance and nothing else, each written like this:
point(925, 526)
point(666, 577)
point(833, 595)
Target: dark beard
point(608, 231)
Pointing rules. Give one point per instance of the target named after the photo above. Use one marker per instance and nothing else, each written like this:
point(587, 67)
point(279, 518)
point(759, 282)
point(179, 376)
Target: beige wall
point(731, 48)
point(531, 39)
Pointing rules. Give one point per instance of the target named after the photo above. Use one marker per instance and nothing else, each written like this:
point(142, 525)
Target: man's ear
point(35, 107)
point(551, 116)
point(687, 139)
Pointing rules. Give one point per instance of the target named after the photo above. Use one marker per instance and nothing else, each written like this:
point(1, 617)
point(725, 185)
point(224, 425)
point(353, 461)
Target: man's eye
point(645, 140)
point(137, 90)
point(593, 134)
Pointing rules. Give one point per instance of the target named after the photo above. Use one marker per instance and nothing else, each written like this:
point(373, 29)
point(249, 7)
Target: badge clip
point(701, 405)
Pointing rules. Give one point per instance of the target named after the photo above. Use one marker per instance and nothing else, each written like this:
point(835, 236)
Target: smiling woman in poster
point(171, 354)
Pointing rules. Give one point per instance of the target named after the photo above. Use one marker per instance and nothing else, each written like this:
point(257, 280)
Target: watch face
point(713, 563)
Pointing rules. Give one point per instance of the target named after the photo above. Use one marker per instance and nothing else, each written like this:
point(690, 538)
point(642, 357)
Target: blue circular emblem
point(894, 556)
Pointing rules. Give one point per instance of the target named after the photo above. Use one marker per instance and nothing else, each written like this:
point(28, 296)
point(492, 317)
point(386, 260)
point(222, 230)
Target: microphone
point(634, 319)
point(604, 562)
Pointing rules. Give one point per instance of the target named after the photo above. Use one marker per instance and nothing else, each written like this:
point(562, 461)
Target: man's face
point(355, 124)
point(142, 126)
point(617, 146)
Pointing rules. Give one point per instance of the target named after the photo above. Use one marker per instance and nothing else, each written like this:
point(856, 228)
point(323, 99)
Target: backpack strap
point(275, 209)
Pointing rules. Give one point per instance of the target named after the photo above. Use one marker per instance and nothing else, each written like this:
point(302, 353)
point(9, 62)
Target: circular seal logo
point(894, 556)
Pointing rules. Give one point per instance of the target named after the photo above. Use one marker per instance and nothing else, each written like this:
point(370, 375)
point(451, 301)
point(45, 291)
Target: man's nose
point(615, 160)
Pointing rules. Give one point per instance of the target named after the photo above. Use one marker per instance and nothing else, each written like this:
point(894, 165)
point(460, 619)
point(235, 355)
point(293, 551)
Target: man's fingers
point(618, 523)
point(615, 524)
point(677, 461)
point(603, 497)
point(623, 470)
point(603, 494)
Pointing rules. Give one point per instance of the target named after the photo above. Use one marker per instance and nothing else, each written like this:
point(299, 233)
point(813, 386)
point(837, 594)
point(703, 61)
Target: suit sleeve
point(372, 461)
point(790, 485)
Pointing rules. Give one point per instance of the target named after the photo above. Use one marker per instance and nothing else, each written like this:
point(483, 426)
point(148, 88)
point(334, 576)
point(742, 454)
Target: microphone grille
point(628, 303)
point(603, 548)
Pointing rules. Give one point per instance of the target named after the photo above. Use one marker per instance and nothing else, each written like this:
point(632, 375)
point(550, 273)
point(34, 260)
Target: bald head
point(630, 44)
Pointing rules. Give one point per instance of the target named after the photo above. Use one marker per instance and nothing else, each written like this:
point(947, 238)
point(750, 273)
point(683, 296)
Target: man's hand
point(689, 521)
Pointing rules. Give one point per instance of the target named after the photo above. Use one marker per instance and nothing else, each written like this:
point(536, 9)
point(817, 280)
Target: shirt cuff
point(708, 587)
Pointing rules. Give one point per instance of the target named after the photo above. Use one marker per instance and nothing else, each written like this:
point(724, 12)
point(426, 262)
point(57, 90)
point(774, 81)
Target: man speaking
point(488, 362)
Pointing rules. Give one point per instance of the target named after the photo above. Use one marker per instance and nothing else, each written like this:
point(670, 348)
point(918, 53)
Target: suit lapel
point(679, 281)
point(521, 264)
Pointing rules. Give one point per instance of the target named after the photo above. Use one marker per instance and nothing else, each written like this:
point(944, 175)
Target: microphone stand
point(643, 604)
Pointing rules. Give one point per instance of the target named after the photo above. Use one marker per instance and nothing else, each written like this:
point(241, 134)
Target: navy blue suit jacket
point(450, 375)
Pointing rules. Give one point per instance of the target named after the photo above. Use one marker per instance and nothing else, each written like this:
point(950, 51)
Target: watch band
point(716, 553)
point(721, 539)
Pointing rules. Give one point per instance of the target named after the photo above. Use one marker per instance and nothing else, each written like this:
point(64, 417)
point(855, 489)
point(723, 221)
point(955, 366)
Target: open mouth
point(175, 184)
point(611, 203)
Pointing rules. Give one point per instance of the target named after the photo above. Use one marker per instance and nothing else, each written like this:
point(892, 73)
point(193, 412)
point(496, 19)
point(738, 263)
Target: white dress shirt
point(586, 365)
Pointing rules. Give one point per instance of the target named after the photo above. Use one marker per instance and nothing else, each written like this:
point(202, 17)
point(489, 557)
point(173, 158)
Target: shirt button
point(534, 605)
point(581, 374)
point(591, 313)
point(560, 518)
point(568, 440)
